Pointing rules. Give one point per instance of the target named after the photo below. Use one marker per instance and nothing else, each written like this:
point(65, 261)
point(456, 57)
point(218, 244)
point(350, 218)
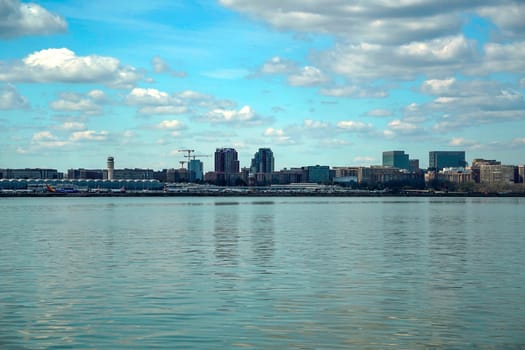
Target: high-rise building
point(396, 159)
point(446, 159)
point(226, 161)
point(195, 172)
point(263, 161)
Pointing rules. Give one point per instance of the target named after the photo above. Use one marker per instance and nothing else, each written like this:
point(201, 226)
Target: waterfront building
point(177, 175)
point(30, 173)
point(445, 159)
point(476, 164)
point(288, 176)
point(521, 174)
point(318, 174)
point(84, 185)
point(413, 165)
point(195, 170)
point(498, 174)
point(396, 159)
point(263, 161)
point(455, 175)
point(131, 174)
point(226, 161)
point(84, 174)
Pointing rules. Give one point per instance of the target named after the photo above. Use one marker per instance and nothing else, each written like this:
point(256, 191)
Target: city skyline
point(332, 85)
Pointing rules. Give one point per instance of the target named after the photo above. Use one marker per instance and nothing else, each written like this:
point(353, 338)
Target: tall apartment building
point(263, 161)
point(396, 159)
point(446, 159)
point(226, 161)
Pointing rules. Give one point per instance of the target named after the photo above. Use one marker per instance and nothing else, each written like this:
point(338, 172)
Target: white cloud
point(402, 127)
point(245, 116)
point(354, 91)
point(20, 19)
point(377, 20)
point(307, 76)
point(437, 86)
point(459, 104)
point(519, 141)
point(364, 159)
point(89, 135)
point(356, 126)
point(314, 124)
point(160, 66)
point(63, 65)
point(43, 135)
point(370, 62)
point(70, 125)
point(379, 113)
point(91, 103)
point(45, 139)
point(278, 136)
point(170, 124)
point(10, 98)
point(139, 96)
point(278, 65)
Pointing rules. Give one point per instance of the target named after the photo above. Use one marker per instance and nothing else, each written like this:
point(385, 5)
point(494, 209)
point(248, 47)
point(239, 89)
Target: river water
point(262, 273)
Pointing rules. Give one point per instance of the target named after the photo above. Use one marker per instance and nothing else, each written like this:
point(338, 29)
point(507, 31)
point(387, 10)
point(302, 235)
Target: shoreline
point(259, 194)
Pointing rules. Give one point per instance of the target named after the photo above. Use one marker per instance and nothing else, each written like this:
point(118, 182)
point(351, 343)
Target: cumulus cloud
point(307, 76)
point(21, 19)
point(160, 66)
point(170, 124)
point(296, 75)
point(355, 126)
point(398, 126)
point(89, 135)
point(90, 103)
point(45, 139)
point(72, 125)
point(278, 65)
point(10, 98)
point(378, 41)
point(354, 91)
point(315, 124)
point(459, 104)
point(380, 113)
point(278, 136)
point(245, 116)
point(370, 62)
point(155, 102)
point(378, 21)
point(63, 65)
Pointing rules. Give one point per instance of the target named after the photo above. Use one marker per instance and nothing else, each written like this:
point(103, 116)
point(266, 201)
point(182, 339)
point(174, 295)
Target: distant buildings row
point(449, 166)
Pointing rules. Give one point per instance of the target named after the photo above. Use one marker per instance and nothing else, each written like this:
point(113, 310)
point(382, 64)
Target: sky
point(328, 82)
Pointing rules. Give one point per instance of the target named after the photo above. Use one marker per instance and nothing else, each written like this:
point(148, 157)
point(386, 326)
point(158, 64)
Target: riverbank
point(227, 193)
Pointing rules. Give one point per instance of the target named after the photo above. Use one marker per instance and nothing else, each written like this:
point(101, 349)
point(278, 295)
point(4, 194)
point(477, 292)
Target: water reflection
point(262, 233)
point(226, 234)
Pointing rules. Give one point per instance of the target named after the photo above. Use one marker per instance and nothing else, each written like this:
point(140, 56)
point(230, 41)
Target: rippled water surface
point(271, 273)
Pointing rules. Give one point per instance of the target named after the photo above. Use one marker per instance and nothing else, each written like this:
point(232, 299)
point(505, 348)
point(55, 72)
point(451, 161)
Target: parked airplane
point(60, 190)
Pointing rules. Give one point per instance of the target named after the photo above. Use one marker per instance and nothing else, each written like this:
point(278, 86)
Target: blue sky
point(331, 82)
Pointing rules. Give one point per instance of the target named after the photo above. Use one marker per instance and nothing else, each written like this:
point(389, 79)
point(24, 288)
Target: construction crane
point(182, 162)
point(193, 156)
point(189, 151)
